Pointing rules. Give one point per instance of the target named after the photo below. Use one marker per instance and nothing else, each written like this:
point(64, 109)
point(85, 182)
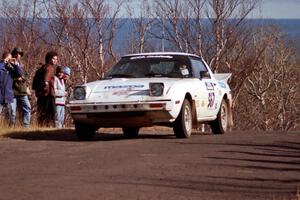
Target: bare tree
point(106, 22)
point(84, 30)
point(227, 18)
point(172, 15)
point(23, 27)
point(223, 39)
point(270, 91)
point(142, 23)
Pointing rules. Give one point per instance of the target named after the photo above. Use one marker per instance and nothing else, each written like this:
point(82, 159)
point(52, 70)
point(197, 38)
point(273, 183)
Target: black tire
point(85, 132)
point(182, 126)
point(131, 132)
point(221, 124)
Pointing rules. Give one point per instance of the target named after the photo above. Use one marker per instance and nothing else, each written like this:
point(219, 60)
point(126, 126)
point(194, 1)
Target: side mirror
point(204, 74)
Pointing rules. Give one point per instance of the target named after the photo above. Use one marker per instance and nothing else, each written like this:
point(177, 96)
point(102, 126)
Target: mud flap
point(195, 123)
point(230, 115)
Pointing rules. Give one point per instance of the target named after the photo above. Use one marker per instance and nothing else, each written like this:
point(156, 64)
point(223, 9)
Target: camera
point(12, 60)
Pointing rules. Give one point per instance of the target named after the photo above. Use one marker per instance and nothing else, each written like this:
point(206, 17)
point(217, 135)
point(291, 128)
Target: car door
point(206, 107)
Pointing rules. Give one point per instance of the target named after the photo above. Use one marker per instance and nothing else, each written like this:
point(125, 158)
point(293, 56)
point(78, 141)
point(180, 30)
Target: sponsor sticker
point(128, 87)
point(209, 86)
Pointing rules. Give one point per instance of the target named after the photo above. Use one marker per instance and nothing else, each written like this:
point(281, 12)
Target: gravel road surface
point(234, 166)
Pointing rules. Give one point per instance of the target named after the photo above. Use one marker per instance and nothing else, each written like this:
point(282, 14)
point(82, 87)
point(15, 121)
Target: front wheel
point(131, 132)
point(182, 126)
point(85, 132)
point(221, 124)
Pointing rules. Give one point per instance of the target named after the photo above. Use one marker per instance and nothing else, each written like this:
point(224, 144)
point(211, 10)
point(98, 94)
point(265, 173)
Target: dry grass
point(5, 130)
point(37, 133)
point(18, 129)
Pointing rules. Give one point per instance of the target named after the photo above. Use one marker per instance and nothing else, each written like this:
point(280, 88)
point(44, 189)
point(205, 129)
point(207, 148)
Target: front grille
point(116, 114)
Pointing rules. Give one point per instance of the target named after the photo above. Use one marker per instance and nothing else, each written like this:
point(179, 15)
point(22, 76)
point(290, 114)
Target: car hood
point(124, 89)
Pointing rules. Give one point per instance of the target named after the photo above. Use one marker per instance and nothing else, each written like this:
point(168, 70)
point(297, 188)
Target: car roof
point(161, 54)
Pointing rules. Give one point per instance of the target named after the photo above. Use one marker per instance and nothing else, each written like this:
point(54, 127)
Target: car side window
point(198, 66)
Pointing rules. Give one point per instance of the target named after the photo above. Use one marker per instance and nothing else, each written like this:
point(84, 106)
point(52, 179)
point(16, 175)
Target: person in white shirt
point(60, 97)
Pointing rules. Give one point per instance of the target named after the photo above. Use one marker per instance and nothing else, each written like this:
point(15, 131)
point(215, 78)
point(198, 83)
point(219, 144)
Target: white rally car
point(161, 88)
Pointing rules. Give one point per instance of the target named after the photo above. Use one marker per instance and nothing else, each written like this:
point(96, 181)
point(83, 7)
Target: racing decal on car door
point(209, 86)
point(211, 100)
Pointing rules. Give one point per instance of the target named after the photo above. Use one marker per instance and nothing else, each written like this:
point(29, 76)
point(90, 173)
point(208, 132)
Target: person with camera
point(21, 91)
point(8, 71)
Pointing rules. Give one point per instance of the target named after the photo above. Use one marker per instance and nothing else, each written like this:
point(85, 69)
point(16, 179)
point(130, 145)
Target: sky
point(278, 9)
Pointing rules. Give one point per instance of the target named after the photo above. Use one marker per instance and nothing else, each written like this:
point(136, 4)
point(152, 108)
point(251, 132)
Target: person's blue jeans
point(6, 110)
point(59, 116)
point(23, 102)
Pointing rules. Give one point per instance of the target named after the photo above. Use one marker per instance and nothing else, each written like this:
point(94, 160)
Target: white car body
point(128, 102)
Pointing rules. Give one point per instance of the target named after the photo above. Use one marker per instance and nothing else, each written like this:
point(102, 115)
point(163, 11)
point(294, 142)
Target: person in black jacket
point(8, 70)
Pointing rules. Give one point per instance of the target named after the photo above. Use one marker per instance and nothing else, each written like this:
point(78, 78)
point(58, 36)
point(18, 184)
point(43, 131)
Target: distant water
point(290, 27)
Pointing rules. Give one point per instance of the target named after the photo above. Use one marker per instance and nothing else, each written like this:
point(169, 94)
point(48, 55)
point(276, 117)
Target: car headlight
point(79, 93)
point(156, 89)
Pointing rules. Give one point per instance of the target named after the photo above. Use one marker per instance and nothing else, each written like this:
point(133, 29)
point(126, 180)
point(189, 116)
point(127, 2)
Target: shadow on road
point(282, 156)
point(69, 135)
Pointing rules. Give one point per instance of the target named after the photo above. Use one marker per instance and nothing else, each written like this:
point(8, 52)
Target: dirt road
point(233, 166)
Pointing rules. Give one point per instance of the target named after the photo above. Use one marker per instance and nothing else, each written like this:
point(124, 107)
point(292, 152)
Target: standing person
point(46, 97)
point(60, 97)
point(67, 73)
point(20, 88)
point(8, 71)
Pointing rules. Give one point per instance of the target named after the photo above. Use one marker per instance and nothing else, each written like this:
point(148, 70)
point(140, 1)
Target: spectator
point(46, 98)
point(7, 71)
point(67, 73)
point(20, 88)
point(60, 97)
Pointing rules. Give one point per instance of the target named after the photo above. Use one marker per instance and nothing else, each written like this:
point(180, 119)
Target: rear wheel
point(85, 132)
point(182, 126)
point(131, 132)
point(221, 124)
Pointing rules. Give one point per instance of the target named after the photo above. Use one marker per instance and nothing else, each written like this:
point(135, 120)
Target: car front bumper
point(137, 114)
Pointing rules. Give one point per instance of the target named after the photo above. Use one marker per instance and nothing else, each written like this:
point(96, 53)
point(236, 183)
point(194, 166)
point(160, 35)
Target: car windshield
point(158, 66)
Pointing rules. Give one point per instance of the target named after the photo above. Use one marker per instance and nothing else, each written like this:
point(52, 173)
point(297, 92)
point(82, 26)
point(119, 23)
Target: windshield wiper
point(121, 76)
point(155, 74)
point(159, 75)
